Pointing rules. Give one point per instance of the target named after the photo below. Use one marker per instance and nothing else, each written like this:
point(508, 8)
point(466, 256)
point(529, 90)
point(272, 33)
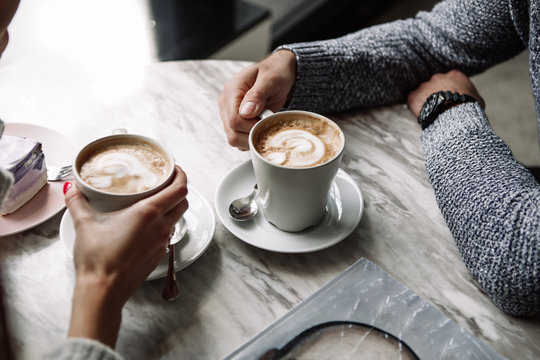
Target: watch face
point(429, 110)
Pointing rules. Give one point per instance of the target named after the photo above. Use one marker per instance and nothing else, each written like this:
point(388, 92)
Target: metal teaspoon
point(244, 208)
point(170, 291)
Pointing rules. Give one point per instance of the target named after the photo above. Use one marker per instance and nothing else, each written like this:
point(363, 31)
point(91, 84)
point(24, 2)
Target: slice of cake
point(24, 159)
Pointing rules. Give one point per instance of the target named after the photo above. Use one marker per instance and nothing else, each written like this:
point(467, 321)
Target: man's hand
point(454, 81)
point(264, 85)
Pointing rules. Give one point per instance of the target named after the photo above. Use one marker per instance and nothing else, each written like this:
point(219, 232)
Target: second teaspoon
point(170, 290)
point(244, 208)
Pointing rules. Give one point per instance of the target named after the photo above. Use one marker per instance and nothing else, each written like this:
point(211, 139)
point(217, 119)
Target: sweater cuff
point(314, 75)
point(82, 348)
point(455, 123)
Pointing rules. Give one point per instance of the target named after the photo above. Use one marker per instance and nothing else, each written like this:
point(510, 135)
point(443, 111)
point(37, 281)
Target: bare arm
point(112, 261)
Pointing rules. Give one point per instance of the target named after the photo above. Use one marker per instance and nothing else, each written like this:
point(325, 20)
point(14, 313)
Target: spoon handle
point(170, 291)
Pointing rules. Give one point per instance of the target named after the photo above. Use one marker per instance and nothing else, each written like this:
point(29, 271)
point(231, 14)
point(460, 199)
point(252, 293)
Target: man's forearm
point(491, 204)
point(382, 64)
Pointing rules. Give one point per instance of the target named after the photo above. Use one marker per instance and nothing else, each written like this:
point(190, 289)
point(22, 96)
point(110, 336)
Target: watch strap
point(437, 103)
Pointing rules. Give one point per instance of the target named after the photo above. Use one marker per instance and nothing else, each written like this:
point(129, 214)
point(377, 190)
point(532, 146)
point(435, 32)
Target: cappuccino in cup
point(297, 141)
point(295, 157)
point(118, 170)
point(125, 167)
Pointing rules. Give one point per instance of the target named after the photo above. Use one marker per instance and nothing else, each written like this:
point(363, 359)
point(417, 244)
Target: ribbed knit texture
point(490, 202)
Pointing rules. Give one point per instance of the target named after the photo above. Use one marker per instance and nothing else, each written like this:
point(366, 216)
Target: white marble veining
point(364, 295)
point(234, 290)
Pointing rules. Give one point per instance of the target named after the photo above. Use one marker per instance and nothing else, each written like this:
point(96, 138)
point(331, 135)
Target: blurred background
point(103, 42)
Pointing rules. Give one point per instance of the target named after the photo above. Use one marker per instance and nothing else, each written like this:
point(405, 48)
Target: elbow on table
point(519, 307)
point(518, 295)
point(506, 259)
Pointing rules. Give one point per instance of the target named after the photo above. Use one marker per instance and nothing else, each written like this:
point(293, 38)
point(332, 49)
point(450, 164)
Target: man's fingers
point(247, 94)
point(237, 139)
point(256, 98)
point(253, 104)
point(237, 132)
point(242, 125)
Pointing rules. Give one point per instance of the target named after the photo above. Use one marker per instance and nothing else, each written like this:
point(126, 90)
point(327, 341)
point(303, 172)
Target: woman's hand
point(454, 81)
point(115, 252)
point(264, 85)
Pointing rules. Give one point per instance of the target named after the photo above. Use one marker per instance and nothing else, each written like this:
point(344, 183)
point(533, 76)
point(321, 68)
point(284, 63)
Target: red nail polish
point(67, 186)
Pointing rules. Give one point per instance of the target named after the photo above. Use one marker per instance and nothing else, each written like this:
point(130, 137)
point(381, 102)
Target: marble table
point(234, 290)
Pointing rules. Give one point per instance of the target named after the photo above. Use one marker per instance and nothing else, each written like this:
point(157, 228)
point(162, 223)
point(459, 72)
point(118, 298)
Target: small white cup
point(107, 201)
point(293, 198)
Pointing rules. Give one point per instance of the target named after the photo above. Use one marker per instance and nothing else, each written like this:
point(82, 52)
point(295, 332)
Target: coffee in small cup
point(125, 166)
point(116, 171)
point(298, 141)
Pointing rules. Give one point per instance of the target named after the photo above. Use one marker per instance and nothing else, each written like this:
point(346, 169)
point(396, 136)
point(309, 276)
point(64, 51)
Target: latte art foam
point(298, 147)
point(298, 142)
point(125, 168)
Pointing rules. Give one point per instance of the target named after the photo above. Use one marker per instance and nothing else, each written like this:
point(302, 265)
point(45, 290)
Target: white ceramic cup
point(293, 198)
point(107, 201)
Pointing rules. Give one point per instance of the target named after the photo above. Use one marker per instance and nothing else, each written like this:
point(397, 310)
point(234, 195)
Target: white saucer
point(201, 225)
point(58, 151)
point(343, 214)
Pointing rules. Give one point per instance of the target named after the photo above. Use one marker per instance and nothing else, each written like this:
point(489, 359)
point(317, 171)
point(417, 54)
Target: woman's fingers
point(177, 212)
point(170, 196)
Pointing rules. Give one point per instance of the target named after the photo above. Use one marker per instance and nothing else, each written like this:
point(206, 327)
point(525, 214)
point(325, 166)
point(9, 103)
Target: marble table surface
point(234, 290)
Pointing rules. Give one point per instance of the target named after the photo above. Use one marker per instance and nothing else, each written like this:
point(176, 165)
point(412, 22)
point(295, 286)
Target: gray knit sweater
point(490, 202)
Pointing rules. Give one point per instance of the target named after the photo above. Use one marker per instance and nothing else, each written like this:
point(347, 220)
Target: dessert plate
point(343, 213)
point(58, 150)
point(201, 225)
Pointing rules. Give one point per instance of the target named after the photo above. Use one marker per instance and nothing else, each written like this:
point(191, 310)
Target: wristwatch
point(437, 103)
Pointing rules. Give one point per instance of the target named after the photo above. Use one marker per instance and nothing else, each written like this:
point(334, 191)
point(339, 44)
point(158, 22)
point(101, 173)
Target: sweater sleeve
point(382, 64)
point(491, 205)
point(81, 348)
